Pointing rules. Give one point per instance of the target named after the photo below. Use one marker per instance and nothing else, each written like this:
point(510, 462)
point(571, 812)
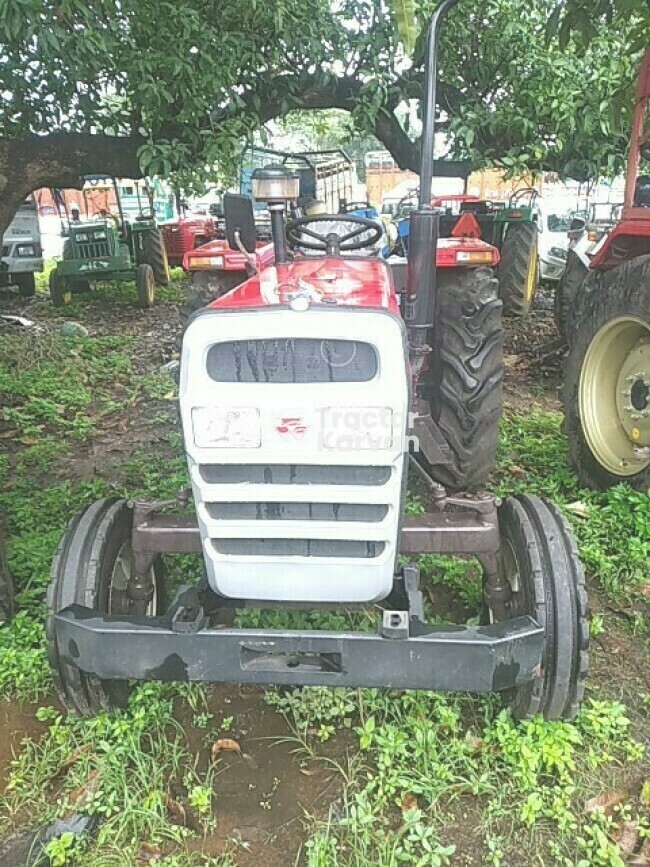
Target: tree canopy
point(174, 86)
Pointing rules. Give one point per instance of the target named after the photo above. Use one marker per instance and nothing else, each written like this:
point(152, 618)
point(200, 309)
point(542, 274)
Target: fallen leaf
point(409, 802)
point(578, 508)
point(627, 836)
point(606, 801)
point(477, 744)
point(510, 360)
point(29, 441)
point(517, 471)
point(74, 757)
point(81, 796)
point(176, 811)
point(149, 852)
point(8, 434)
point(224, 745)
point(643, 590)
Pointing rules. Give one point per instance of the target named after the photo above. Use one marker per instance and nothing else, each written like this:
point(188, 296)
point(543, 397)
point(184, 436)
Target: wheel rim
point(614, 396)
point(512, 574)
point(531, 277)
point(123, 569)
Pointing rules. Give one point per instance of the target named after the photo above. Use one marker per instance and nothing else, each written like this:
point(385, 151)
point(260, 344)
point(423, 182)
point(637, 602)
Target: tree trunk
point(60, 160)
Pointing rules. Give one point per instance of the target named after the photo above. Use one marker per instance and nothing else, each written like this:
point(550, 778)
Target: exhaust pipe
point(423, 233)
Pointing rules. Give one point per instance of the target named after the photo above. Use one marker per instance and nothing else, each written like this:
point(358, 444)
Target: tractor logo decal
point(291, 427)
point(97, 265)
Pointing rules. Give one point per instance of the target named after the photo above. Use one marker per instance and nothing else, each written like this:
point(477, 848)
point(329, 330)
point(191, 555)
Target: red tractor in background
point(607, 384)
point(185, 234)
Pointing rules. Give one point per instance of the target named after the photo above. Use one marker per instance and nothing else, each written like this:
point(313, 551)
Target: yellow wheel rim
point(614, 396)
point(531, 277)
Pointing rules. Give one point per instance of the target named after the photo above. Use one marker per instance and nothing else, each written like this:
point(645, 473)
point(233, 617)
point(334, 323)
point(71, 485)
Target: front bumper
point(406, 654)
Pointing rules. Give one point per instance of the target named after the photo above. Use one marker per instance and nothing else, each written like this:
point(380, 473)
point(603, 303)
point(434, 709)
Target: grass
point(429, 779)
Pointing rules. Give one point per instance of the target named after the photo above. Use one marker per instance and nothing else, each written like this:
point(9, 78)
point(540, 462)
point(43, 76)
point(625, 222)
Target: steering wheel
point(332, 244)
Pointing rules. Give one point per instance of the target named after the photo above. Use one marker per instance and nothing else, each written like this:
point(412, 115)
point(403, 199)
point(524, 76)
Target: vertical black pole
point(423, 232)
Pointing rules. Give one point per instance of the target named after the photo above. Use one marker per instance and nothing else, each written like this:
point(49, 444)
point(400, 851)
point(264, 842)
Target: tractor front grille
point(92, 249)
point(292, 360)
point(298, 548)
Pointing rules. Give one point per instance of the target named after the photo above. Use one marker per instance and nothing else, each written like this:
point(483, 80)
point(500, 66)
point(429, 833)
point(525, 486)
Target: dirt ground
point(264, 795)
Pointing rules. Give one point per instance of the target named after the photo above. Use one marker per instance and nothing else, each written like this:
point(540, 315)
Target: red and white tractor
point(607, 324)
point(305, 395)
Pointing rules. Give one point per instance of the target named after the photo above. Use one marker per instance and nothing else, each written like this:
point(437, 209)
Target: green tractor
point(107, 247)
point(515, 234)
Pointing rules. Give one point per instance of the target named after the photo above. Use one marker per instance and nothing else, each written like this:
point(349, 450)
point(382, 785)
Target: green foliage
point(612, 527)
point(193, 81)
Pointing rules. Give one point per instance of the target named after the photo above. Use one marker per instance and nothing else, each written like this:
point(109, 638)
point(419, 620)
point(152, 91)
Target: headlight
point(25, 250)
point(357, 427)
point(81, 236)
point(99, 236)
point(558, 252)
point(231, 427)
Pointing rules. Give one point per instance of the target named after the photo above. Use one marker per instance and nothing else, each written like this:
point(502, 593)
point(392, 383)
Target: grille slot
point(256, 511)
point(93, 250)
point(292, 474)
point(298, 548)
point(292, 360)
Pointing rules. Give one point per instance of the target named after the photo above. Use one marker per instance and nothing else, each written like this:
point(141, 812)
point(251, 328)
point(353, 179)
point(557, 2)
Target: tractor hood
point(348, 282)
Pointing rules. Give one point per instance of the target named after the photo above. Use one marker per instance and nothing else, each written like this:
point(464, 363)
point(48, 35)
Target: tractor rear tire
point(146, 286)
point(155, 255)
point(542, 566)
point(607, 378)
point(90, 568)
point(465, 374)
point(58, 289)
point(26, 284)
point(205, 288)
point(518, 269)
point(566, 293)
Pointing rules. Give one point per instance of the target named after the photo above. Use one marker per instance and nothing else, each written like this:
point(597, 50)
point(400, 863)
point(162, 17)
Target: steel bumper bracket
point(442, 658)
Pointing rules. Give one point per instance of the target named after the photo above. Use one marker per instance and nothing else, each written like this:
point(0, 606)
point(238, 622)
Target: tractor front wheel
point(146, 286)
point(463, 381)
point(518, 270)
point(542, 566)
point(155, 255)
point(58, 289)
point(607, 382)
point(92, 567)
point(26, 284)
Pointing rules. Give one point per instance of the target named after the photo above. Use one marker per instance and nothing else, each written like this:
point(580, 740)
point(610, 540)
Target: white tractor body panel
point(298, 484)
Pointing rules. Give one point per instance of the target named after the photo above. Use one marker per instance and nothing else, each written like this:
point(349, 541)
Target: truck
point(22, 253)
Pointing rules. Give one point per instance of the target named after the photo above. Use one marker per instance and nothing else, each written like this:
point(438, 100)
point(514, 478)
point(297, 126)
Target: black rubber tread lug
point(527, 701)
point(566, 293)
point(621, 291)
point(559, 577)
point(578, 583)
point(512, 270)
point(466, 372)
point(74, 577)
point(155, 255)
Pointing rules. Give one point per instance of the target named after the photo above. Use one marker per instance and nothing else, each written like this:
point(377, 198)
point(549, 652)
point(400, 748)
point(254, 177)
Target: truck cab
point(22, 254)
